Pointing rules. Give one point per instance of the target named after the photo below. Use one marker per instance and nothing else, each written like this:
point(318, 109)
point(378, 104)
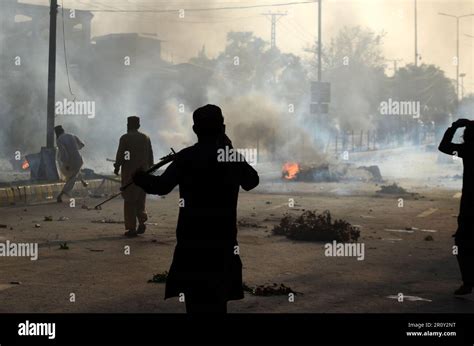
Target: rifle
point(163, 161)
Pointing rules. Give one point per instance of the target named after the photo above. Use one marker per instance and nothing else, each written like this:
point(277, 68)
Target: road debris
point(249, 224)
point(107, 221)
point(310, 226)
point(159, 278)
point(269, 290)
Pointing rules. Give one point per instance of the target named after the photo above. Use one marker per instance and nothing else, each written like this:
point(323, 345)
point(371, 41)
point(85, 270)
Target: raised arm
point(446, 145)
point(158, 185)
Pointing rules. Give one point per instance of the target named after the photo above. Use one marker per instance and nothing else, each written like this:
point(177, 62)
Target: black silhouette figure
point(464, 236)
point(206, 266)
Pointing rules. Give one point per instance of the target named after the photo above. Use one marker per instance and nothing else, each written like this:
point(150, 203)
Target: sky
point(297, 30)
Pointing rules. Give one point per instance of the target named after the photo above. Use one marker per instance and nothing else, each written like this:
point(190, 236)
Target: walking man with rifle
point(134, 154)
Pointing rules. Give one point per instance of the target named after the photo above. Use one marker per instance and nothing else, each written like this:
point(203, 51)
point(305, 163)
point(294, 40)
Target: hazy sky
point(298, 29)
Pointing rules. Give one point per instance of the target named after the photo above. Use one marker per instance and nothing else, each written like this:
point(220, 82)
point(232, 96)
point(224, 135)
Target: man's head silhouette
point(58, 130)
point(133, 123)
point(208, 122)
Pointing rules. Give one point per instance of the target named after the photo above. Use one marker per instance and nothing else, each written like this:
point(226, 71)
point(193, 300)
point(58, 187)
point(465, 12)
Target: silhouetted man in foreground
point(464, 237)
point(69, 160)
point(133, 154)
point(206, 266)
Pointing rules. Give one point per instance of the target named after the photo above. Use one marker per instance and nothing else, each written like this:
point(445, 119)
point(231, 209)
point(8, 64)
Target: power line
point(204, 9)
point(294, 33)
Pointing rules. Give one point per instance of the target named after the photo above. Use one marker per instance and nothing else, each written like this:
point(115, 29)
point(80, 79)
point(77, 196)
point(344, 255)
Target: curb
point(28, 194)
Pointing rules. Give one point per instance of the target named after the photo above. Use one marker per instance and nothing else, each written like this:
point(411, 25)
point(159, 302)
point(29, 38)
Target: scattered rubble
point(269, 290)
point(159, 278)
point(63, 218)
point(37, 225)
point(48, 218)
point(249, 224)
point(310, 226)
point(3, 226)
point(107, 221)
point(429, 238)
point(63, 246)
point(293, 171)
point(394, 189)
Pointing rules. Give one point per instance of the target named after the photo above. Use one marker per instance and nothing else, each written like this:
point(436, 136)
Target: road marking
point(427, 212)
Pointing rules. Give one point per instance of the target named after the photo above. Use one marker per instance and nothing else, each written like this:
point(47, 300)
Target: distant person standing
point(69, 159)
point(464, 236)
point(134, 154)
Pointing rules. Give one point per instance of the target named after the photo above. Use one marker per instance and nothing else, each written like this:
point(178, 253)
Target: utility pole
point(462, 75)
point(275, 17)
point(416, 35)
point(51, 75)
point(457, 49)
point(319, 41)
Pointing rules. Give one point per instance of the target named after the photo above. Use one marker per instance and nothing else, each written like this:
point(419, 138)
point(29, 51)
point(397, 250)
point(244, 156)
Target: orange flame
point(25, 165)
point(290, 170)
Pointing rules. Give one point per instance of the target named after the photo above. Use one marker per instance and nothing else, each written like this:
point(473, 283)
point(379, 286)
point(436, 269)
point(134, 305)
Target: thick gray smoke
point(265, 99)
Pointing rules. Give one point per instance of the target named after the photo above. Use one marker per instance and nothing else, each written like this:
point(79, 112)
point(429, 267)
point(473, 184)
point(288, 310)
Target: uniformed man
point(134, 154)
point(69, 160)
point(206, 267)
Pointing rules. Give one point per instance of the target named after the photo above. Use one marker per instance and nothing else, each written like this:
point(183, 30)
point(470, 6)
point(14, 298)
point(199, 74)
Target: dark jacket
point(465, 232)
point(206, 256)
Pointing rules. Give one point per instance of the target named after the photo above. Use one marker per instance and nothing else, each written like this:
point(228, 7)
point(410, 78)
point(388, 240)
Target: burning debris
point(310, 226)
point(292, 171)
point(25, 165)
point(299, 172)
